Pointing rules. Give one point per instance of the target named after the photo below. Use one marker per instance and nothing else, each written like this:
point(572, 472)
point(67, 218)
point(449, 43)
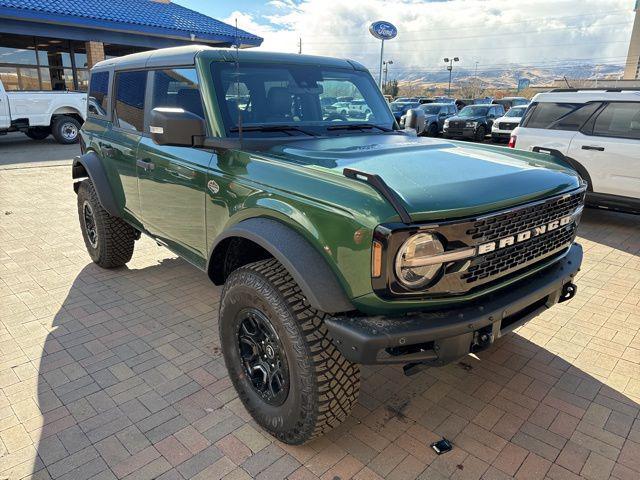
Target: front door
point(172, 180)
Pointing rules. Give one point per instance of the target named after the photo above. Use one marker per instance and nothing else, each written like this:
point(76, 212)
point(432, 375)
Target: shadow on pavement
point(132, 385)
point(17, 150)
point(613, 229)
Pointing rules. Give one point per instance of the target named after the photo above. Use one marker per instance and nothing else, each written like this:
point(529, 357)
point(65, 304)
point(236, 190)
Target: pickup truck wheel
point(290, 377)
point(65, 129)
point(38, 133)
point(481, 133)
point(109, 240)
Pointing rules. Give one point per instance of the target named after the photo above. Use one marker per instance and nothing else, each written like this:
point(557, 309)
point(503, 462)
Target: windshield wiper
point(358, 126)
point(274, 128)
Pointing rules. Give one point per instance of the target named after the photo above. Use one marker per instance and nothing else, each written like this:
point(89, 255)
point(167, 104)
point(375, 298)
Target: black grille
point(502, 261)
point(507, 126)
point(526, 218)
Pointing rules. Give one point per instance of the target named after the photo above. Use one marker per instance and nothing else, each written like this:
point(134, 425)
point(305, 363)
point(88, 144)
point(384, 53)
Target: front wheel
point(432, 131)
point(109, 240)
point(480, 134)
point(65, 129)
point(286, 370)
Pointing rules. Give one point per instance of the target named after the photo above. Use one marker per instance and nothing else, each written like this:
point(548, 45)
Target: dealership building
point(52, 44)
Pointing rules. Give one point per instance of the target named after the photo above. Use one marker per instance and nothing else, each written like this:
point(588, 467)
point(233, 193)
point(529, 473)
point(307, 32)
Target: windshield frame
point(370, 92)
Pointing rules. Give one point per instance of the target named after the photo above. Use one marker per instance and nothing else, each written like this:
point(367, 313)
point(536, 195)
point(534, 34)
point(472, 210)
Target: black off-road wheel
point(38, 133)
point(109, 240)
point(481, 132)
point(66, 130)
point(432, 131)
point(287, 372)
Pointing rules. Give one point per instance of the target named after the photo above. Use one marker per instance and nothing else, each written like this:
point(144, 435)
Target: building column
point(632, 67)
point(95, 53)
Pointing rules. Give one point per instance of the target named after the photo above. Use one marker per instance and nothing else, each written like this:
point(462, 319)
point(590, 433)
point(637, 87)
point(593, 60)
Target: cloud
point(541, 33)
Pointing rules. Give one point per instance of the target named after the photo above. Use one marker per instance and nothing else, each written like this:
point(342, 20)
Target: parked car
point(503, 126)
point(359, 109)
point(341, 108)
point(400, 108)
point(483, 101)
point(463, 102)
point(407, 100)
point(434, 117)
point(508, 102)
point(595, 131)
point(338, 242)
point(40, 114)
point(472, 122)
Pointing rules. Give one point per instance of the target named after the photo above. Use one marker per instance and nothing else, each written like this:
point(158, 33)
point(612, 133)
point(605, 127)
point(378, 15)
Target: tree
point(391, 88)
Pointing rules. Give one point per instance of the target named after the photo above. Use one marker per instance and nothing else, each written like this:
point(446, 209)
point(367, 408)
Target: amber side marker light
point(376, 259)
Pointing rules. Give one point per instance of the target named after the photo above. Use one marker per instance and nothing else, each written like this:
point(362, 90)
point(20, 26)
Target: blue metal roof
point(143, 16)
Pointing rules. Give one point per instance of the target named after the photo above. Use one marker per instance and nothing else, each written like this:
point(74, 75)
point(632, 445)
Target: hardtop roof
point(584, 96)
point(186, 55)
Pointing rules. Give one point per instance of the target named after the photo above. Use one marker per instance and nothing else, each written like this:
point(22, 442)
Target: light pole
point(386, 64)
point(450, 68)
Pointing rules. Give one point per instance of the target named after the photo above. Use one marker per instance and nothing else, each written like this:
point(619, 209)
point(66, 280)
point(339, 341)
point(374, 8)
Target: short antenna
point(237, 45)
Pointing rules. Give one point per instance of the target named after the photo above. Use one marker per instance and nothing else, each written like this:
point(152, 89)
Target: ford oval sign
point(383, 30)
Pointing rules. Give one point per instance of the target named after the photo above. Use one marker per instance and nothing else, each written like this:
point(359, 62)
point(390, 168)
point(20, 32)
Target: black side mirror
point(176, 126)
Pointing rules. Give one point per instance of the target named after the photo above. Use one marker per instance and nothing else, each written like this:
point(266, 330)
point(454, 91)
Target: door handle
point(591, 147)
point(146, 165)
point(181, 172)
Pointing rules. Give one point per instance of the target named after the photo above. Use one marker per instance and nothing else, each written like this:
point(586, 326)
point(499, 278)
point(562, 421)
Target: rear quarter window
point(98, 99)
point(545, 115)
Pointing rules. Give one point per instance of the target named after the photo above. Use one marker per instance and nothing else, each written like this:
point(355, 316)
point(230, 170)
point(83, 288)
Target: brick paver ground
point(118, 374)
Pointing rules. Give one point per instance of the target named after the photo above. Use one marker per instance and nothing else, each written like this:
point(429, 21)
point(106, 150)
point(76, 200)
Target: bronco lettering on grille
point(525, 235)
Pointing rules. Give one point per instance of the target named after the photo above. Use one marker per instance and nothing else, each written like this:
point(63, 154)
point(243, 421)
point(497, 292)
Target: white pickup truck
point(39, 114)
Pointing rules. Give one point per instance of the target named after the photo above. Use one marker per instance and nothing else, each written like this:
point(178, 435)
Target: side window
point(619, 120)
point(177, 88)
point(544, 115)
point(130, 89)
point(576, 119)
point(98, 94)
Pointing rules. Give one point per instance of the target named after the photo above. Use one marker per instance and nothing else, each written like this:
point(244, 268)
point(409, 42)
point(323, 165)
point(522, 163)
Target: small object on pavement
point(442, 446)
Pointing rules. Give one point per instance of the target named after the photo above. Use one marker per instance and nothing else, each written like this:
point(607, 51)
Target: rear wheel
point(38, 133)
point(288, 374)
point(109, 240)
point(65, 129)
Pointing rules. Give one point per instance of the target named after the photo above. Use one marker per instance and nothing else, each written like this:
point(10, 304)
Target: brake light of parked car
point(512, 141)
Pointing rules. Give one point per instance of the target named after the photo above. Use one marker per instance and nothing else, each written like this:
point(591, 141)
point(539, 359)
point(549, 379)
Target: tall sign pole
point(382, 31)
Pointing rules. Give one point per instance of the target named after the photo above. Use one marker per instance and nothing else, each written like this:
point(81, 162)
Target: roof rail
point(591, 89)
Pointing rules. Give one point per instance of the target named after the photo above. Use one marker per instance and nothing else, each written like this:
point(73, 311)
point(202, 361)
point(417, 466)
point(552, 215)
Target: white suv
point(598, 133)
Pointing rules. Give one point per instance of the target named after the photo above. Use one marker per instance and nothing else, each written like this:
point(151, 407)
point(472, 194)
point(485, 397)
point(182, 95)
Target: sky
point(494, 33)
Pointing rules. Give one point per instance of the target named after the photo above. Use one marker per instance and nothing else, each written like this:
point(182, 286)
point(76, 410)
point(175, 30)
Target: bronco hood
point(438, 179)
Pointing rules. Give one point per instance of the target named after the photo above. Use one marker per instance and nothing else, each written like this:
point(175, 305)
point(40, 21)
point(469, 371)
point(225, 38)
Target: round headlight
point(413, 252)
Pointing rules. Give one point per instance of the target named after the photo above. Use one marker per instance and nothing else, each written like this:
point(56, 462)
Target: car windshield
point(473, 111)
point(516, 112)
point(431, 109)
point(267, 98)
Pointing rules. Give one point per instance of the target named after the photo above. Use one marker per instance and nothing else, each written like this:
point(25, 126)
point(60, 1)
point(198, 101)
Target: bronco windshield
point(268, 98)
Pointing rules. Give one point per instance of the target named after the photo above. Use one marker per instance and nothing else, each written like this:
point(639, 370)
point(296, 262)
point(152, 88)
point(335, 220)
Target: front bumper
point(440, 337)
point(500, 134)
point(466, 132)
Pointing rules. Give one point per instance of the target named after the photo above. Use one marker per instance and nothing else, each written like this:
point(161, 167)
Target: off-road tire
point(481, 133)
point(63, 124)
point(115, 237)
point(432, 131)
point(323, 385)
point(38, 133)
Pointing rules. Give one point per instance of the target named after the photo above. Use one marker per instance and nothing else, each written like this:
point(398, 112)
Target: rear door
point(172, 179)
point(609, 148)
point(119, 145)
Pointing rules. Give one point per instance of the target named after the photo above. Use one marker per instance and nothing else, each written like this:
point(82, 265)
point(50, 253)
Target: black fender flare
point(306, 265)
point(89, 165)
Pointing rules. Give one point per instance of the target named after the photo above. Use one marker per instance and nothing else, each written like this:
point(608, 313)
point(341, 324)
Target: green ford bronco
point(339, 238)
